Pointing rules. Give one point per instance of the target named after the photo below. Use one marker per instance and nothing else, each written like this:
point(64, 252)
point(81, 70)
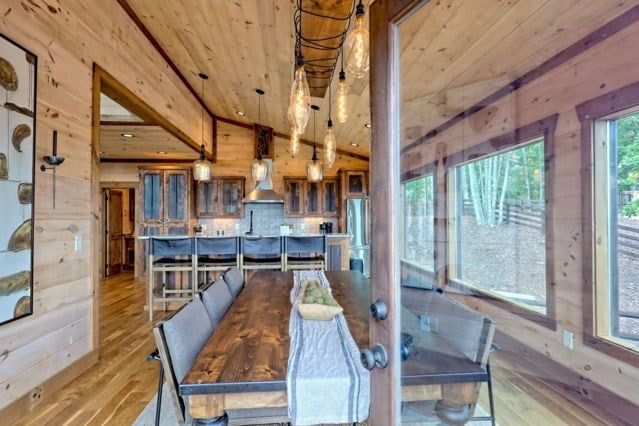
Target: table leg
point(452, 414)
point(454, 407)
point(214, 421)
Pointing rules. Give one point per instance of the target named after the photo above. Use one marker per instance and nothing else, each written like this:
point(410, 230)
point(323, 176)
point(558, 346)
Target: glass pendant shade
point(357, 44)
point(342, 101)
point(295, 142)
point(201, 167)
point(300, 105)
point(329, 147)
point(259, 170)
point(314, 170)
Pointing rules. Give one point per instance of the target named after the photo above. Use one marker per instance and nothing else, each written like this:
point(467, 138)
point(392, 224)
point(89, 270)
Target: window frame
point(427, 170)
point(544, 128)
point(594, 115)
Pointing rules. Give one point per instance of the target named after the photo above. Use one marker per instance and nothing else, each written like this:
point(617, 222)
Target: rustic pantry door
point(113, 232)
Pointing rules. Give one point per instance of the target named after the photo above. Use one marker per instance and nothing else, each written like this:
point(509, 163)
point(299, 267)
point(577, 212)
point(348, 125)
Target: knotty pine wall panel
point(596, 71)
point(234, 157)
point(68, 38)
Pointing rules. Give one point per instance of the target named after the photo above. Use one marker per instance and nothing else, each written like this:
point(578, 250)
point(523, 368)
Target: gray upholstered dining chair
point(261, 253)
point(215, 254)
point(305, 252)
point(179, 339)
point(235, 280)
point(170, 254)
point(217, 299)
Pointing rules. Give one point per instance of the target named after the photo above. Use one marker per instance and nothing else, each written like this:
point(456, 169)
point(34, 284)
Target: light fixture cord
point(259, 126)
point(330, 105)
point(202, 157)
point(314, 138)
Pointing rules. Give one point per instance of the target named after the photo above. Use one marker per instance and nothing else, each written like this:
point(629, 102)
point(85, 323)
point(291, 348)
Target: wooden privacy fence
point(532, 215)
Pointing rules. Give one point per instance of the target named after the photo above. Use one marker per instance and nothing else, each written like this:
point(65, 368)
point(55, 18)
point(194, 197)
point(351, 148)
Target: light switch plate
point(78, 243)
point(568, 339)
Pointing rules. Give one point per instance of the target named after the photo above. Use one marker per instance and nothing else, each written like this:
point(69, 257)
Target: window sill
point(490, 297)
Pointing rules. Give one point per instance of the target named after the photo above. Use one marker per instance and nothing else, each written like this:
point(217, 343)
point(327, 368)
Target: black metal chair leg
point(491, 403)
point(158, 404)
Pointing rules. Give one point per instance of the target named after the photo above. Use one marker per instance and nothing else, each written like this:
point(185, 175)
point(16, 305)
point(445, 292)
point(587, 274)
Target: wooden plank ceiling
point(458, 53)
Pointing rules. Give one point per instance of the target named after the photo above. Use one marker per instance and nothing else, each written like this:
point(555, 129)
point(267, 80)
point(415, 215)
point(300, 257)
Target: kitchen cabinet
point(338, 253)
point(295, 197)
point(220, 197)
point(163, 208)
point(354, 183)
point(304, 198)
point(330, 196)
point(165, 201)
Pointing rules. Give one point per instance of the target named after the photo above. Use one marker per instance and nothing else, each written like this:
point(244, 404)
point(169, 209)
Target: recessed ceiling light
point(161, 152)
point(354, 144)
point(127, 135)
point(367, 125)
point(240, 113)
point(100, 152)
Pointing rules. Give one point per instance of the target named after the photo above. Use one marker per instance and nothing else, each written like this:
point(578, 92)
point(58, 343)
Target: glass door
point(437, 347)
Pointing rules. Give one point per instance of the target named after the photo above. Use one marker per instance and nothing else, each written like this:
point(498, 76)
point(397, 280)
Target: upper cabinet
point(304, 198)
point(220, 197)
point(165, 201)
point(354, 183)
point(330, 194)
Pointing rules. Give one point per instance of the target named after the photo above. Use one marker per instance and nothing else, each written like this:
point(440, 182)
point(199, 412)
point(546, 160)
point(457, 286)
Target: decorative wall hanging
point(17, 147)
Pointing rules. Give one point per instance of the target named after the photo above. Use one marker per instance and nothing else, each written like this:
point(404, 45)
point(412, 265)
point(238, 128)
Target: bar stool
point(170, 255)
point(215, 254)
point(261, 253)
point(304, 252)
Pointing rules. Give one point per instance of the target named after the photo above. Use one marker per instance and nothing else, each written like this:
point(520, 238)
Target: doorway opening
point(118, 207)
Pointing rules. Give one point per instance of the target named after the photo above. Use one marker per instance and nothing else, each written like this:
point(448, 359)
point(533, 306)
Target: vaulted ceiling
point(458, 53)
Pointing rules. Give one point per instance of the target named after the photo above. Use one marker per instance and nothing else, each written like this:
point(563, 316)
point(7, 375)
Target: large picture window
point(418, 221)
point(610, 136)
point(497, 229)
point(616, 209)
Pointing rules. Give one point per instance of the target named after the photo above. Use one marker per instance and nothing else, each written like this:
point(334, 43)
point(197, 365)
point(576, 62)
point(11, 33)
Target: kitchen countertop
point(332, 235)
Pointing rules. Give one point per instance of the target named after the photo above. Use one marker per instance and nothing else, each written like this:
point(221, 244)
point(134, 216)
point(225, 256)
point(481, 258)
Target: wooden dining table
point(243, 365)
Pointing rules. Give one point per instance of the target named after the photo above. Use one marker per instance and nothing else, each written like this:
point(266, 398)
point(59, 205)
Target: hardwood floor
point(118, 387)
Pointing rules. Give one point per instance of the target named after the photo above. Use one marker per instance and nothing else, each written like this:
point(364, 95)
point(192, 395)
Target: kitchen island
point(337, 251)
point(180, 282)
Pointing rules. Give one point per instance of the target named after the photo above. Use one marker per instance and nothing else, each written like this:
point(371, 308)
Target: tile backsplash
point(267, 219)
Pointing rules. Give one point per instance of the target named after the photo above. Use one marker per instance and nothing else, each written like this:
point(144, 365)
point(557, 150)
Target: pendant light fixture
point(259, 167)
point(357, 44)
point(342, 95)
point(314, 167)
point(295, 141)
point(202, 167)
point(329, 139)
point(300, 101)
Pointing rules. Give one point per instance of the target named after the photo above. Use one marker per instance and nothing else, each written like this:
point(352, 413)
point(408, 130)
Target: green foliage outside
point(628, 153)
point(515, 176)
point(631, 209)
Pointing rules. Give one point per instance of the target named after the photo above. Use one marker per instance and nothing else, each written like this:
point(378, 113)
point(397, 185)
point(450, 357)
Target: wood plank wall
point(234, 156)
point(42, 352)
point(607, 66)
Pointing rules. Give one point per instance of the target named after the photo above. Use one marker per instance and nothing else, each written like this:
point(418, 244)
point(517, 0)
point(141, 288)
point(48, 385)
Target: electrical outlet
point(203, 226)
point(568, 338)
point(427, 323)
point(237, 227)
point(78, 243)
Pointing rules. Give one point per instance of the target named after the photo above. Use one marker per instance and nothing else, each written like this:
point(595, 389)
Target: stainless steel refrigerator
point(358, 227)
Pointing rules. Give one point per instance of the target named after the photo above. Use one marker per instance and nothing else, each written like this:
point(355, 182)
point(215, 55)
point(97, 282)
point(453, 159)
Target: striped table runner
point(325, 380)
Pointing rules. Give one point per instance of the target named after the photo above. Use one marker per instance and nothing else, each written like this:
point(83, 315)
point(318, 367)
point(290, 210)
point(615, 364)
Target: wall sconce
point(53, 160)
